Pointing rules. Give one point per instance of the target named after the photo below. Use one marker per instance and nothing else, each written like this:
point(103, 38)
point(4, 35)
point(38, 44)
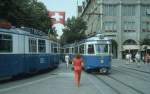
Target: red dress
point(77, 64)
point(77, 70)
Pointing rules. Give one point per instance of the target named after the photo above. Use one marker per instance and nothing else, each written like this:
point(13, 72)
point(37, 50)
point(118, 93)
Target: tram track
point(132, 74)
point(120, 82)
point(110, 86)
point(136, 70)
point(127, 85)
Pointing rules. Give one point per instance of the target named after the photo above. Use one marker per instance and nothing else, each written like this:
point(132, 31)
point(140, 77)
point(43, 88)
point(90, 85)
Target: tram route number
point(42, 60)
point(102, 61)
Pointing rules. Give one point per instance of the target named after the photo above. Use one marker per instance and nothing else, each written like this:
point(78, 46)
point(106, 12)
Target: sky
point(68, 6)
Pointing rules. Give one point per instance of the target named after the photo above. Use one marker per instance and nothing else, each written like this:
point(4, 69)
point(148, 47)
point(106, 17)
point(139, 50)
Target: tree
point(74, 31)
point(28, 13)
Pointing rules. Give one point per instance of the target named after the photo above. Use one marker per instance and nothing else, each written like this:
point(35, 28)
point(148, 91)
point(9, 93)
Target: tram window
point(72, 50)
point(91, 49)
point(41, 46)
point(58, 49)
point(102, 48)
point(52, 48)
point(81, 49)
point(5, 43)
point(67, 50)
point(62, 50)
point(32, 45)
point(76, 49)
point(55, 48)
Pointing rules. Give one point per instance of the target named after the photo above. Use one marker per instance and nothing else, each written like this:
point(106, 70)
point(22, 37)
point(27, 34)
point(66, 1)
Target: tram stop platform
point(63, 82)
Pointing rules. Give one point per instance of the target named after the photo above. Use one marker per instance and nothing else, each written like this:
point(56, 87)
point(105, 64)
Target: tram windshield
point(101, 48)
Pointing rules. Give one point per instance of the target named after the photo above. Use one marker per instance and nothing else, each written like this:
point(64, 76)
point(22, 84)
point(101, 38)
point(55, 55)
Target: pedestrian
point(147, 58)
point(130, 58)
point(67, 60)
point(137, 58)
point(127, 58)
point(77, 64)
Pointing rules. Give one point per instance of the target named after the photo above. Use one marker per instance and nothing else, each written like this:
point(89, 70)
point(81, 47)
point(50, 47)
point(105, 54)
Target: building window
point(110, 26)
point(5, 43)
point(110, 10)
point(129, 42)
point(145, 10)
point(146, 26)
point(129, 26)
point(32, 45)
point(41, 46)
point(128, 10)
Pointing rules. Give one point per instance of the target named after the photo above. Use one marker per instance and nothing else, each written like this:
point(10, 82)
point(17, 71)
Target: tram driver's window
point(90, 49)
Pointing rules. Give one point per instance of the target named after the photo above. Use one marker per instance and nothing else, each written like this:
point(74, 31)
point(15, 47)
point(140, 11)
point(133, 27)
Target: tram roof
point(22, 32)
point(98, 38)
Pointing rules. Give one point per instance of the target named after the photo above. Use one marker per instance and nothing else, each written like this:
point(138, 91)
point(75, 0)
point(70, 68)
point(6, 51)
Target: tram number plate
point(102, 61)
point(42, 60)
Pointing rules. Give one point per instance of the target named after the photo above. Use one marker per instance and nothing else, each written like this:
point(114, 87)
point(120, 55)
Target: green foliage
point(28, 13)
point(74, 31)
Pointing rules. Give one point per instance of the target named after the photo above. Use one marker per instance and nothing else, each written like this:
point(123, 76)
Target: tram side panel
point(96, 62)
point(11, 61)
point(43, 54)
point(31, 56)
point(56, 55)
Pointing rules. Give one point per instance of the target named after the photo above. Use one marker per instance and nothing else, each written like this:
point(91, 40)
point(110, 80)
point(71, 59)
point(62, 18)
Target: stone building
point(125, 22)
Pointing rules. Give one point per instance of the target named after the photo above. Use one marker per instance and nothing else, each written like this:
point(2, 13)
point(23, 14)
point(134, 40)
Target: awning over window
point(130, 47)
point(145, 46)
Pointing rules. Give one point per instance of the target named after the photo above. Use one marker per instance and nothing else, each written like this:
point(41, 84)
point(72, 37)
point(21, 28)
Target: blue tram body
point(23, 52)
point(95, 52)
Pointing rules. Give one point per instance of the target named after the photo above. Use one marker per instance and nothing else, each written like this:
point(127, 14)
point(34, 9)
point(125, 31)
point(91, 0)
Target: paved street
point(123, 79)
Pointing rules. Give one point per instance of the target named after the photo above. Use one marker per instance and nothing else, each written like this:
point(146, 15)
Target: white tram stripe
point(23, 85)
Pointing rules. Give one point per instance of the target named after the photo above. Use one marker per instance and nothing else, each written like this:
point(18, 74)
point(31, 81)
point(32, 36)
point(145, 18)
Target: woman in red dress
point(77, 64)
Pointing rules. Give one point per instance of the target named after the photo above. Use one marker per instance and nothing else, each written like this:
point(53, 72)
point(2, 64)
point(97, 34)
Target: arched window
point(129, 42)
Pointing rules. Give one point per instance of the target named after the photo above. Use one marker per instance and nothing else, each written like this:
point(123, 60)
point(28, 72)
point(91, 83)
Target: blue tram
point(95, 52)
point(26, 52)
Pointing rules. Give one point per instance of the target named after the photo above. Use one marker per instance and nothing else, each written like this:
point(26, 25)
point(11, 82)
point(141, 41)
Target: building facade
point(125, 22)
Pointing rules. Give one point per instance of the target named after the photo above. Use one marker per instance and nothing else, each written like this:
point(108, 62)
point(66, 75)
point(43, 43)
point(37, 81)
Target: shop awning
point(131, 47)
point(145, 46)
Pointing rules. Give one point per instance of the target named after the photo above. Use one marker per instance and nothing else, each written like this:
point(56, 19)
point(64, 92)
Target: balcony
point(145, 30)
point(110, 30)
point(129, 30)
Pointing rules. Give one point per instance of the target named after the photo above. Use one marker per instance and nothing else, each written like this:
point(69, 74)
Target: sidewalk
point(140, 67)
point(64, 82)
